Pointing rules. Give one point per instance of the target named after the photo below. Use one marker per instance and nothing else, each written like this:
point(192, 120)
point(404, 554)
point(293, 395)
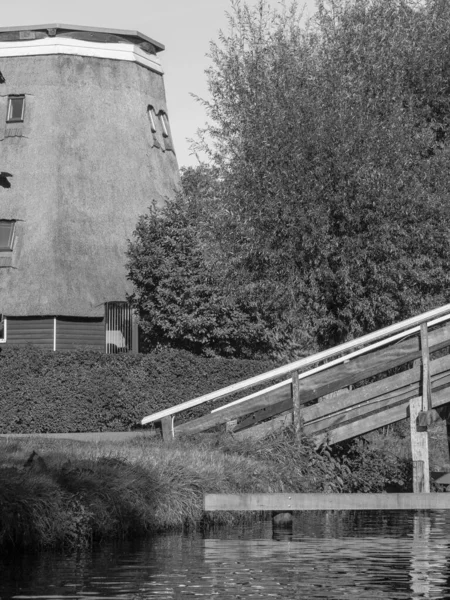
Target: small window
point(2, 329)
point(151, 118)
point(164, 124)
point(7, 234)
point(16, 108)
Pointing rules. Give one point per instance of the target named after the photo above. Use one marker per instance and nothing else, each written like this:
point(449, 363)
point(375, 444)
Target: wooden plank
point(234, 412)
point(377, 396)
point(419, 448)
point(316, 428)
point(134, 335)
point(426, 385)
point(291, 502)
point(367, 409)
point(447, 427)
point(364, 425)
point(372, 422)
point(264, 429)
point(296, 407)
point(399, 383)
point(37, 331)
point(317, 411)
point(71, 332)
point(354, 397)
point(278, 401)
point(301, 364)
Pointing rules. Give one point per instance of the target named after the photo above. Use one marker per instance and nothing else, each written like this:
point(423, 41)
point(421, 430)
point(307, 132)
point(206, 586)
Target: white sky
point(185, 27)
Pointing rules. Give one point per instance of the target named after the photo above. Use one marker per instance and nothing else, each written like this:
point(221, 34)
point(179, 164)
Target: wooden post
point(296, 406)
point(134, 335)
point(426, 381)
point(167, 428)
point(419, 449)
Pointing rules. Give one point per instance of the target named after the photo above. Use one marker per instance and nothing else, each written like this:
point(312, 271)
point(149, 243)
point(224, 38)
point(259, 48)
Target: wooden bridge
point(397, 372)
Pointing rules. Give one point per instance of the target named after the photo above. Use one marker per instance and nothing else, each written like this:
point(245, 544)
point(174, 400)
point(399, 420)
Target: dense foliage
point(181, 295)
point(329, 148)
point(44, 391)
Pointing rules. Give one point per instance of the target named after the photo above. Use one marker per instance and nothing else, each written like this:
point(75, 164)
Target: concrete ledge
point(290, 502)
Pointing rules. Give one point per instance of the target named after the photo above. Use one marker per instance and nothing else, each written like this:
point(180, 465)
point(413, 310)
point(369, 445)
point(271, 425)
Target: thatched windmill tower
point(85, 147)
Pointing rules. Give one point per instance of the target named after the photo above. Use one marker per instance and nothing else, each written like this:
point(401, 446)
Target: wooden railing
point(276, 394)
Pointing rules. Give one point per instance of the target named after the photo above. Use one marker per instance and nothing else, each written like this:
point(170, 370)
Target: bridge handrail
point(303, 362)
point(335, 362)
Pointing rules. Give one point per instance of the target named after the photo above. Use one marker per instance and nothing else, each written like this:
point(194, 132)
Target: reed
point(64, 493)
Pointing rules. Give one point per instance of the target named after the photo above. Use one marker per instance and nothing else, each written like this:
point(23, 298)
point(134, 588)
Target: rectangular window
point(16, 108)
point(7, 234)
point(2, 329)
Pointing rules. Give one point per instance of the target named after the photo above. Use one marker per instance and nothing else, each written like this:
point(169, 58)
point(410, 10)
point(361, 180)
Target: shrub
point(44, 391)
point(373, 467)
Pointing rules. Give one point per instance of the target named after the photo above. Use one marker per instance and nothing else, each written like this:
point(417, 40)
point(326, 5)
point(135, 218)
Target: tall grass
point(77, 493)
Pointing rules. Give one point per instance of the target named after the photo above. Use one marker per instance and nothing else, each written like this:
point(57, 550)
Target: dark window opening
point(151, 118)
point(7, 234)
point(164, 124)
point(16, 109)
point(2, 328)
point(4, 179)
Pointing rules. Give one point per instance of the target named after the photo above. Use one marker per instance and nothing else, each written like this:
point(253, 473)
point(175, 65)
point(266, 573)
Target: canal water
point(328, 555)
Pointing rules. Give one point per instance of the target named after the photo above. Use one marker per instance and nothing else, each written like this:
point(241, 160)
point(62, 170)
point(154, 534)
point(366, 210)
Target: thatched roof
point(84, 167)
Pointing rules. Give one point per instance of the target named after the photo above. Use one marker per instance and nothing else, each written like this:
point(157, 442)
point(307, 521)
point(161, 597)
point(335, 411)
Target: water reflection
point(326, 555)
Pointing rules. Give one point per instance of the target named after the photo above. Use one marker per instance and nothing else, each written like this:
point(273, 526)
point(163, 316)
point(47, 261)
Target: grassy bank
point(62, 493)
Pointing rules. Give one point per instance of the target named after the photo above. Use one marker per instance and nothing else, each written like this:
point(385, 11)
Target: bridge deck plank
point(293, 502)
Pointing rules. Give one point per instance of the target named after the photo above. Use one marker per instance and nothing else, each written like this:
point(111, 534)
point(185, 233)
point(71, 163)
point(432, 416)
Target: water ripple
point(328, 555)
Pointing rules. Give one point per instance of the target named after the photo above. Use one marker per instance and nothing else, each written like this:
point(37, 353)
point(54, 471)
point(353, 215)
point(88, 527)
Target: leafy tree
point(330, 153)
point(180, 295)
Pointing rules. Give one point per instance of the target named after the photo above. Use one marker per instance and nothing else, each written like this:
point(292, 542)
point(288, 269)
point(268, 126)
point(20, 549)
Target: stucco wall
point(83, 171)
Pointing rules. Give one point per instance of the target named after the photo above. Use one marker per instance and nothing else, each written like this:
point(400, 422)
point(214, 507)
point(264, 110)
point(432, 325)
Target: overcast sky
point(185, 27)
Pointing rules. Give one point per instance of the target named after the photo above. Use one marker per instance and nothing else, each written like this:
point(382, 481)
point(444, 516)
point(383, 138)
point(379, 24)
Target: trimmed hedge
point(59, 392)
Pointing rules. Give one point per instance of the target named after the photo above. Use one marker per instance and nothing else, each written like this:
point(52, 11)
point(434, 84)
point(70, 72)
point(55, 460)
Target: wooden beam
point(264, 429)
point(302, 363)
point(234, 412)
point(296, 407)
point(290, 502)
point(357, 396)
point(372, 422)
point(447, 428)
point(375, 397)
point(280, 401)
point(167, 429)
point(386, 391)
point(426, 385)
point(419, 449)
